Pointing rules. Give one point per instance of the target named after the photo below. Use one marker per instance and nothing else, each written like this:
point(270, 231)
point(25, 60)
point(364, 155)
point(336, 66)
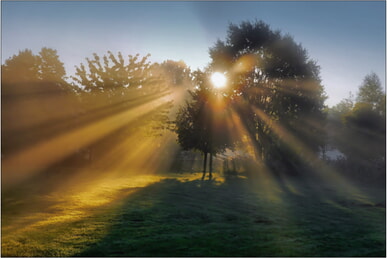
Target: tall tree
point(273, 81)
point(201, 124)
point(364, 116)
point(50, 67)
point(360, 132)
point(371, 92)
point(369, 112)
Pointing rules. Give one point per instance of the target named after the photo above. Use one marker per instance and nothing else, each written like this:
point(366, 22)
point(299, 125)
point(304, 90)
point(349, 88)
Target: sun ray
point(321, 169)
point(30, 160)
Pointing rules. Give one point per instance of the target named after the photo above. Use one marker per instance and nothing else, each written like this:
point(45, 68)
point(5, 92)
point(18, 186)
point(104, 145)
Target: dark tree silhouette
point(201, 123)
point(50, 67)
point(27, 67)
point(364, 116)
point(371, 92)
point(20, 68)
point(272, 81)
point(357, 128)
point(35, 98)
point(369, 111)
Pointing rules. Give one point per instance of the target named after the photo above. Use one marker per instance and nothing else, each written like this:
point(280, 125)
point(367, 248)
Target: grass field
point(180, 215)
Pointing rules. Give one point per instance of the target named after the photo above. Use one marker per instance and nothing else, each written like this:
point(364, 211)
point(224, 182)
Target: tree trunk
point(234, 169)
point(204, 164)
point(210, 165)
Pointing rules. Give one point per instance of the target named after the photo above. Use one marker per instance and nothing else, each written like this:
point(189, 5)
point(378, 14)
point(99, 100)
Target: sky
point(347, 39)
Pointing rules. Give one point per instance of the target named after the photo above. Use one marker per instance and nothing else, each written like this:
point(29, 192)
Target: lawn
point(181, 215)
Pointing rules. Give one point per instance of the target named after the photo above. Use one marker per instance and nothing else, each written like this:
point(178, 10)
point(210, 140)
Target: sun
point(218, 80)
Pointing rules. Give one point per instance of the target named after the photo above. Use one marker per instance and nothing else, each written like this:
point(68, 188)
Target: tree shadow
point(348, 215)
point(174, 218)
point(247, 213)
point(234, 218)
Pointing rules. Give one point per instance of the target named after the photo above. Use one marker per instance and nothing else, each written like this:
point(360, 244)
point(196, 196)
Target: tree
point(50, 67)
point(113, 76)
point(357, 128)
point(337, 113)
point(21, 68)
point(36, 99)
point(272, 81)
point(176, 72)
point(27, 67)
point(371, 92)
point(201, 124)
point(369, 111)
point(364, 116)
point(344, 106)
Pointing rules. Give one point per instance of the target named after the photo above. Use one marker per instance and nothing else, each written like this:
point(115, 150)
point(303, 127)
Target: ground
point(180, 215)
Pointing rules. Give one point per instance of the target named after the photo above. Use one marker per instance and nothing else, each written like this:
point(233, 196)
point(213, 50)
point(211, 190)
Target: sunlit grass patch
point(73, 219)
point(197, 218)
point(180, 215)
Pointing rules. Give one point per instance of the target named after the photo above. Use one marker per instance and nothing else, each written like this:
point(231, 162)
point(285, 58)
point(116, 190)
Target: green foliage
point(342, 108)
point(23, 67)
point(357, 129)
point(272, 80)
point(372, 102)
point(368, 113)
point(26, 73)
point(371, 92)
point(51, 69)
point(176, 72)
point(112, 75)
point(201, 124)
point(27, 67)
point(35, 99)
point(160, 122)
point(364, 116)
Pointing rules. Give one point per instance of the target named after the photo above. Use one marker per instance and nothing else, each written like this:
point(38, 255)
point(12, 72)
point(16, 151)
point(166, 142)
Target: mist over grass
point(114, 163)
point(173, 214)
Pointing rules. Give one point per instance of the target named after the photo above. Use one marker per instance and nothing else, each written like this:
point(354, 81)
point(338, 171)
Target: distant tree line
point(273, 103)
point(357, 127)
point(39, 101)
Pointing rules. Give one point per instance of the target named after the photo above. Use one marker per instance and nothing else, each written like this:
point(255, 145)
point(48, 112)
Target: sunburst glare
point(218, 79)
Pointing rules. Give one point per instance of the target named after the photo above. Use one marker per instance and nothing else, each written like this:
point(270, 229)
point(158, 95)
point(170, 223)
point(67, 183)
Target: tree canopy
point(271, 79)
point(368, 113)
point(371, 92)
point(201, 124)
point(23, 67)
point(113, 74)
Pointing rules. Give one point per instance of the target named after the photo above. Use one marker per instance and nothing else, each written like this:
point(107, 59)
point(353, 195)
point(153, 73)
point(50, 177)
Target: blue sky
point(347, 39)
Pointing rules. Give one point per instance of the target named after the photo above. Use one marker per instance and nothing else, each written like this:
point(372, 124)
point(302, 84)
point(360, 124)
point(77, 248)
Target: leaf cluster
point(111, 73)
point(27, 67)
point(201, 124)
point(271, 79)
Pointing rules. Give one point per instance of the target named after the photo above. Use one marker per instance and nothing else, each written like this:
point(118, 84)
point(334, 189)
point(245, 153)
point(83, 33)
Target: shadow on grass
point(239, 217)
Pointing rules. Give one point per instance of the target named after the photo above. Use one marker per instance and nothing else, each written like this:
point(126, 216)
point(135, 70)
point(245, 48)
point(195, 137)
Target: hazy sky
point(347, 39)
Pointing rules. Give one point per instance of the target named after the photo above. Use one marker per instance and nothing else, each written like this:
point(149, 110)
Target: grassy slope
point(189, 217)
